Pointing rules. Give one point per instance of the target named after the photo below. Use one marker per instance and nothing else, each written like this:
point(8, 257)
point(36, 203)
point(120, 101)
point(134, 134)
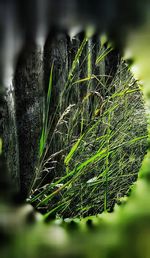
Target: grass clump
point(93, 153)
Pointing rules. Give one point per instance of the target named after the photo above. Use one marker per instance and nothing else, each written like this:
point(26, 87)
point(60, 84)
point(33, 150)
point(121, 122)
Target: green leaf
point(72, 151)
point(42, 142)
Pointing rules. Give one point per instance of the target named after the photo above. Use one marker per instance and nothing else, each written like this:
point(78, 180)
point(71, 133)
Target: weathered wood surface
point(29, 17)
point(28, 100)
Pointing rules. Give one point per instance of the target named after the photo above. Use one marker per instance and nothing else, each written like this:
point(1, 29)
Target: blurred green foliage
point(123, 233)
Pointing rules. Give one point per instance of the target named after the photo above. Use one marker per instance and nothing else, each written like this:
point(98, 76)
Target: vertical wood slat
point(28, 93)
point(5, 186)
point(11, 151)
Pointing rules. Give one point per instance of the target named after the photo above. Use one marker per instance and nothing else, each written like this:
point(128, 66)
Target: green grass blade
point(44, 134)
point(72, 151)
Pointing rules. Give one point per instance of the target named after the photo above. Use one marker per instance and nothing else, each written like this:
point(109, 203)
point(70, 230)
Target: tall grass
point(98, 142)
